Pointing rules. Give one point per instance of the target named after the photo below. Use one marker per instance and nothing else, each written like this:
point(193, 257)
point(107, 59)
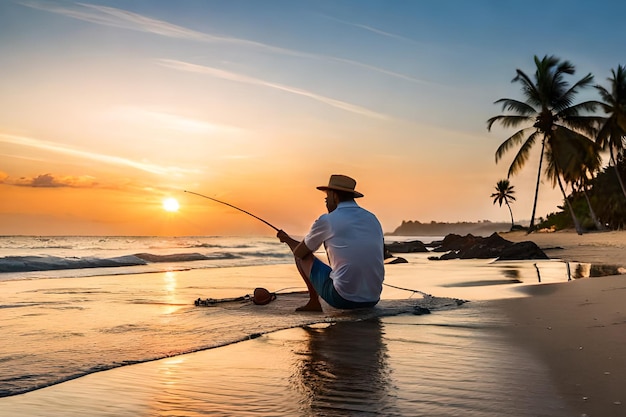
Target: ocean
point(76, 306)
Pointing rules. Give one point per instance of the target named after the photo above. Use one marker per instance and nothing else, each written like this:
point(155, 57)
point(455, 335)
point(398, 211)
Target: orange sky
point(104, 112)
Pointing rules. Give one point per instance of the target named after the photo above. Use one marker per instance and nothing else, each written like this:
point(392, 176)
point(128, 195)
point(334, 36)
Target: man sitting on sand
point(353, 239)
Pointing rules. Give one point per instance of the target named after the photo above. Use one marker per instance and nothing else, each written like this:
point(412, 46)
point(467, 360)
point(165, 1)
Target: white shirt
point(353, 238)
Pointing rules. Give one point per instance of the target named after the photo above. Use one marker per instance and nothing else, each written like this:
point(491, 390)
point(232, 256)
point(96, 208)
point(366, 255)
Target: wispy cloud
point(172, 121)
point(54, 181)
point(231, 76)
point(369, 29)
point(110, 16)
point(108, 159)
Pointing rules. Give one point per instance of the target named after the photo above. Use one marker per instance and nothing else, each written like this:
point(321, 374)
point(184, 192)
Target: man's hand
point(298, 248)
point(283, 236)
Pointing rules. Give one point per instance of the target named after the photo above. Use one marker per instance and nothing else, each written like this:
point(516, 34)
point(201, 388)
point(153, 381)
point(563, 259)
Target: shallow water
point(59, 327)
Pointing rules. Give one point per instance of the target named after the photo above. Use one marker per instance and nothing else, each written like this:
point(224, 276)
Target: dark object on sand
point(418, 311)
point(208, 302)
point(262, 296)
point(394, 260)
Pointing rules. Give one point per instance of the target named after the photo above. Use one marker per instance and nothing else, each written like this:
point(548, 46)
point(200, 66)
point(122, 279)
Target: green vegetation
point(572, 138)
point(606, 197)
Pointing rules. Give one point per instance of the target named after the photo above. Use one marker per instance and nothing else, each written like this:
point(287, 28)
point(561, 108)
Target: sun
point(171, 204)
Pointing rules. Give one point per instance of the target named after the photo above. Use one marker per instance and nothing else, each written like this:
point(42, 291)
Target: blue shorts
point(323, 284)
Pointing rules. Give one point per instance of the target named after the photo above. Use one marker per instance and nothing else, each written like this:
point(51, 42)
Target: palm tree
point(553, 119)
point(612, 134)
point(579, 159)
point(504, 192)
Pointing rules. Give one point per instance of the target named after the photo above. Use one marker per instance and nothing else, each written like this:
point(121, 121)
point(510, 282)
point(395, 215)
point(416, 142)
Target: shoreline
point(578, 329)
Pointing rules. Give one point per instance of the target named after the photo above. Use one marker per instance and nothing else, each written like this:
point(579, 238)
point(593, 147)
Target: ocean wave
point(214, 245)
point(184, 257)
point(48, 263)
point(51, 263)
point(278, 255)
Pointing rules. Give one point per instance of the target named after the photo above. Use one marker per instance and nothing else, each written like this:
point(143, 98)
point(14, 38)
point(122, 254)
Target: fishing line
point(236, 208)
point(409, 290)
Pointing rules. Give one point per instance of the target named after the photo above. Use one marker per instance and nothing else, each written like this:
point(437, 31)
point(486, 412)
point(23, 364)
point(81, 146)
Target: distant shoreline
point(417, 228)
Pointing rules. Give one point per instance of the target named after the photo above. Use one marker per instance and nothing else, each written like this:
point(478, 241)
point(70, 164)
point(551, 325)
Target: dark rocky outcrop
point(494, 246)
point(522, 250)
point(468, 247)
point(395, 260)
point(406, 247)
point(402, 247)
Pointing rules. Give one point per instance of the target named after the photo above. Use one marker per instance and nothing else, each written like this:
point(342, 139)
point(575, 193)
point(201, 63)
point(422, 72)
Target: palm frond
point(565, 67)
point(612, 133)
point(603, 138)
point(514, 140)
point(522, 155)
point(517, 106)
point(567, 98)
point(588, 125)
point(576, 109)
point(606, 96)
point(552, 169)
point(529, 90)
point(572, 155)
point(507, 120)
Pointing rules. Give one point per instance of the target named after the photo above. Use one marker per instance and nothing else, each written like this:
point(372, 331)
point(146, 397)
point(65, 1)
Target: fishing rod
point(236, 208)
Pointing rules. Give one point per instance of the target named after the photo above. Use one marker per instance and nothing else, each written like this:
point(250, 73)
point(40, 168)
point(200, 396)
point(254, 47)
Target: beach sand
point(607, 248)
point(579, 328)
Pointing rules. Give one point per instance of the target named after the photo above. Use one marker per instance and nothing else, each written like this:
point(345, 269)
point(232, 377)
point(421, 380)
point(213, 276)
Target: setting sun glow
point(197, 96)
point(171, 204)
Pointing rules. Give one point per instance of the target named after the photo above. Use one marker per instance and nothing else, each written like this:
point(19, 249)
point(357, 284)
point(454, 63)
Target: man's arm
point(298, 248)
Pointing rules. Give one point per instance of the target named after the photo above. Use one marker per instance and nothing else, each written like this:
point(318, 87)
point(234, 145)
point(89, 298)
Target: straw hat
point(341, 183)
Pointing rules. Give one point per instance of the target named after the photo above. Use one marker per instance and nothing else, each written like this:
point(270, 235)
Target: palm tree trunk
point(619, 177)
point(599, 226)
point(510, 211)
point(531, 228)
point(577, 225)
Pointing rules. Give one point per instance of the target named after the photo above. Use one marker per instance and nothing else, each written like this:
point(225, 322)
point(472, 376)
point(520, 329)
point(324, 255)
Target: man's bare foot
point(312, 305)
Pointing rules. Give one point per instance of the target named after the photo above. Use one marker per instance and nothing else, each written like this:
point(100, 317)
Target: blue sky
point(123, 98)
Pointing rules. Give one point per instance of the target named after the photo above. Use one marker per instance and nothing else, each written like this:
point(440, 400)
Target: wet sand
point(579, 328)
point(450, 363)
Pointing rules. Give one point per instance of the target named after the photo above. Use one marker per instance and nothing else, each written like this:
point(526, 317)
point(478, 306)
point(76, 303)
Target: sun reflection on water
point(170, 293)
